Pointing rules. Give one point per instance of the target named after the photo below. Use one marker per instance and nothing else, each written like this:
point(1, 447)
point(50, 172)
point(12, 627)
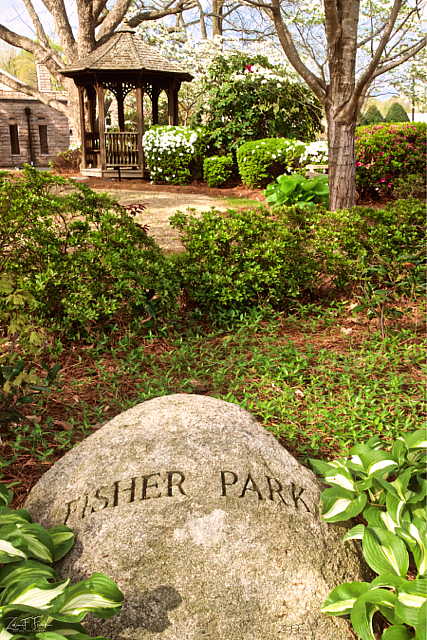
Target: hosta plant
point(34, 602)
point(387, 486)
point(298, 191)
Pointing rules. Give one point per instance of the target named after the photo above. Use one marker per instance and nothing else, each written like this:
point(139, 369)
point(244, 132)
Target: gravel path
point(162, 205)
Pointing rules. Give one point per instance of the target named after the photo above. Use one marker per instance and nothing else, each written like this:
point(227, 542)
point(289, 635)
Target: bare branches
point(410, 54)
point(46, 56)
point(113, 19)
point(21, 87)
point(36, 22)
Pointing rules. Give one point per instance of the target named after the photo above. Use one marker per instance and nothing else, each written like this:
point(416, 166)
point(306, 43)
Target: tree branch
point(44, 56)
point(62, 27)
point(113, 19)
point(29, 91)
point(412, 52)
point(37, 24)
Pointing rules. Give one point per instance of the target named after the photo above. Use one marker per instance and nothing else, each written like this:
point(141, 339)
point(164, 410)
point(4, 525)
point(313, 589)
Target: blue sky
point(14, 16)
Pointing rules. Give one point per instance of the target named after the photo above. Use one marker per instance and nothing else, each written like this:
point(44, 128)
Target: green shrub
point(388, 152)
point(396, 113)
point(262, 161)
point(387, 486)
point(174, 154)
point(35, 602)
point(246, 97)
point(373, 115)
point(82, 256)
point(298, 191)
point(67, 161)
point(245, 258)
point(242, 258)
point(217, 169)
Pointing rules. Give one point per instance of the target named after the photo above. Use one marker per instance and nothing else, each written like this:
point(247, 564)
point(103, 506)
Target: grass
point(232, 203)
point(317, 388)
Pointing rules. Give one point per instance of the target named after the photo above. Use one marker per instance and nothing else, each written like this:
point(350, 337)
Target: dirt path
point(160, 206)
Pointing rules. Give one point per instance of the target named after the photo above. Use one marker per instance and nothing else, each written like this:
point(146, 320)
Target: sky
point(14, 16)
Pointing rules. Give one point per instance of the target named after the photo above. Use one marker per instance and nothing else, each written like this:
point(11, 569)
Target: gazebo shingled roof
point(125, 51)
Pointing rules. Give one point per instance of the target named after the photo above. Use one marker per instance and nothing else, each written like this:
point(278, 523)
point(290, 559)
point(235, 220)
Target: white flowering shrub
point(174, 154)
point(315, 153)
point(262, 161)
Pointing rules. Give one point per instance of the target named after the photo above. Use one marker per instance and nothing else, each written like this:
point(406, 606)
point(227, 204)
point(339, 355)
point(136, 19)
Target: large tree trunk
point(342, 164)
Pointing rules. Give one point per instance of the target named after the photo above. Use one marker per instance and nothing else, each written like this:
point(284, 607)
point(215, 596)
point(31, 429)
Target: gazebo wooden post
point(120, 106)
point(140, 125)
point(91, 108)
point(82, 126)
point(173, 103)
point(101, 122)
point(155, 104)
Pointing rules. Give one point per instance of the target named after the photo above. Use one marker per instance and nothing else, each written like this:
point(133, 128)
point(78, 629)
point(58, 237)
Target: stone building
point(30, 131)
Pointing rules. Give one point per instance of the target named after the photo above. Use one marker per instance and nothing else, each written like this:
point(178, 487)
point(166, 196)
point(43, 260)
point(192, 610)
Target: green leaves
point(393, 486)
point(34, 603)
point(296, 190)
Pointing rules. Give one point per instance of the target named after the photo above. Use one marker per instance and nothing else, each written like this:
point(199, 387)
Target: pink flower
point(382, 179)
point(389, 184)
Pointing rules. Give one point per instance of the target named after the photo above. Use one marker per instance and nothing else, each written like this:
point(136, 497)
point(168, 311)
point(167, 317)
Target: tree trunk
point(342, 164)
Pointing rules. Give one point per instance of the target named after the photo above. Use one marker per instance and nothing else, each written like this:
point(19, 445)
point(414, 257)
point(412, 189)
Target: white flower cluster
point(162, 144)
point(74, 147)
point(315, 152)
point(258, 72)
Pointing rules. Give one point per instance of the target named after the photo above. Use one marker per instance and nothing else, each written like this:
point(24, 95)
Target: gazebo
point(121, 65)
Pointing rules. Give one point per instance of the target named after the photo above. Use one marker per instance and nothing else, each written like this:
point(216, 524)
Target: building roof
point(125, 51)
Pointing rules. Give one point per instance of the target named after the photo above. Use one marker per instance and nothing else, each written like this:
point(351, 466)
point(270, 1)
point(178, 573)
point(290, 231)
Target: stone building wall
point(50, 130)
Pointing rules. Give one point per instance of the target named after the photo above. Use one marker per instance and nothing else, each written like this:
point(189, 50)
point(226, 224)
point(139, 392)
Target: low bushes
point(174, 154)
point(248, 258)
point(241, 259)
point(262, 161)
point(67, 161)
point(386, 153)
point(80, 255)
point(217, 169)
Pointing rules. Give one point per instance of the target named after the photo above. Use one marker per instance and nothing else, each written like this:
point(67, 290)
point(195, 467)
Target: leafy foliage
point(217, 169)
point(34, 601)
point(373, 115)
point(388, 488)
point(80, 255)
point(298, 191)
point(241, 258)
point(174, 154)
point(389, 152)
point(248, 98)
point(396, 113)
point(246, 258)
point(262, 161)
point(67, 161)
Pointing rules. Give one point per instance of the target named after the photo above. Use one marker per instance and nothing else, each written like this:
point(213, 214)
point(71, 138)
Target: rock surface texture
point(209, 527)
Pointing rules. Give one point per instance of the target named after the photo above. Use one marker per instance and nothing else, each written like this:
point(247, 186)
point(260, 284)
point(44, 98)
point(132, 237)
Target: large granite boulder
point(209, 527)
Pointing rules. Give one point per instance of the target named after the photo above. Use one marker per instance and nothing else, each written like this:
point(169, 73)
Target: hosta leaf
point(365, 607)
point(398, 632)
point(10, 516)
point(341, 600)
point(39, 594)
point(410, 598)
point(13, 546)
point(356, 533)
point(67, 629)
point(378, 463)
point(342, 478)
point(416, 439)
point(6, 495)
point(40, 544)
point(23, 620)
point(25, 569)
point(390, 580)
point(422, 621)
point(385, 552)
point(63, 540)
point(414, 534)
point(340, 504)
point(400, 450)
point(394, 514)
point(320, 467)
point(99, 594)
point(401, 483)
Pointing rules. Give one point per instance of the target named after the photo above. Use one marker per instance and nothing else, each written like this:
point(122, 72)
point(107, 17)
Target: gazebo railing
point(92, 148)
point(121, 149)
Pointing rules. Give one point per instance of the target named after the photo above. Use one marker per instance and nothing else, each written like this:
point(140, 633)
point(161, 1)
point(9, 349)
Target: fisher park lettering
point(170, 484)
